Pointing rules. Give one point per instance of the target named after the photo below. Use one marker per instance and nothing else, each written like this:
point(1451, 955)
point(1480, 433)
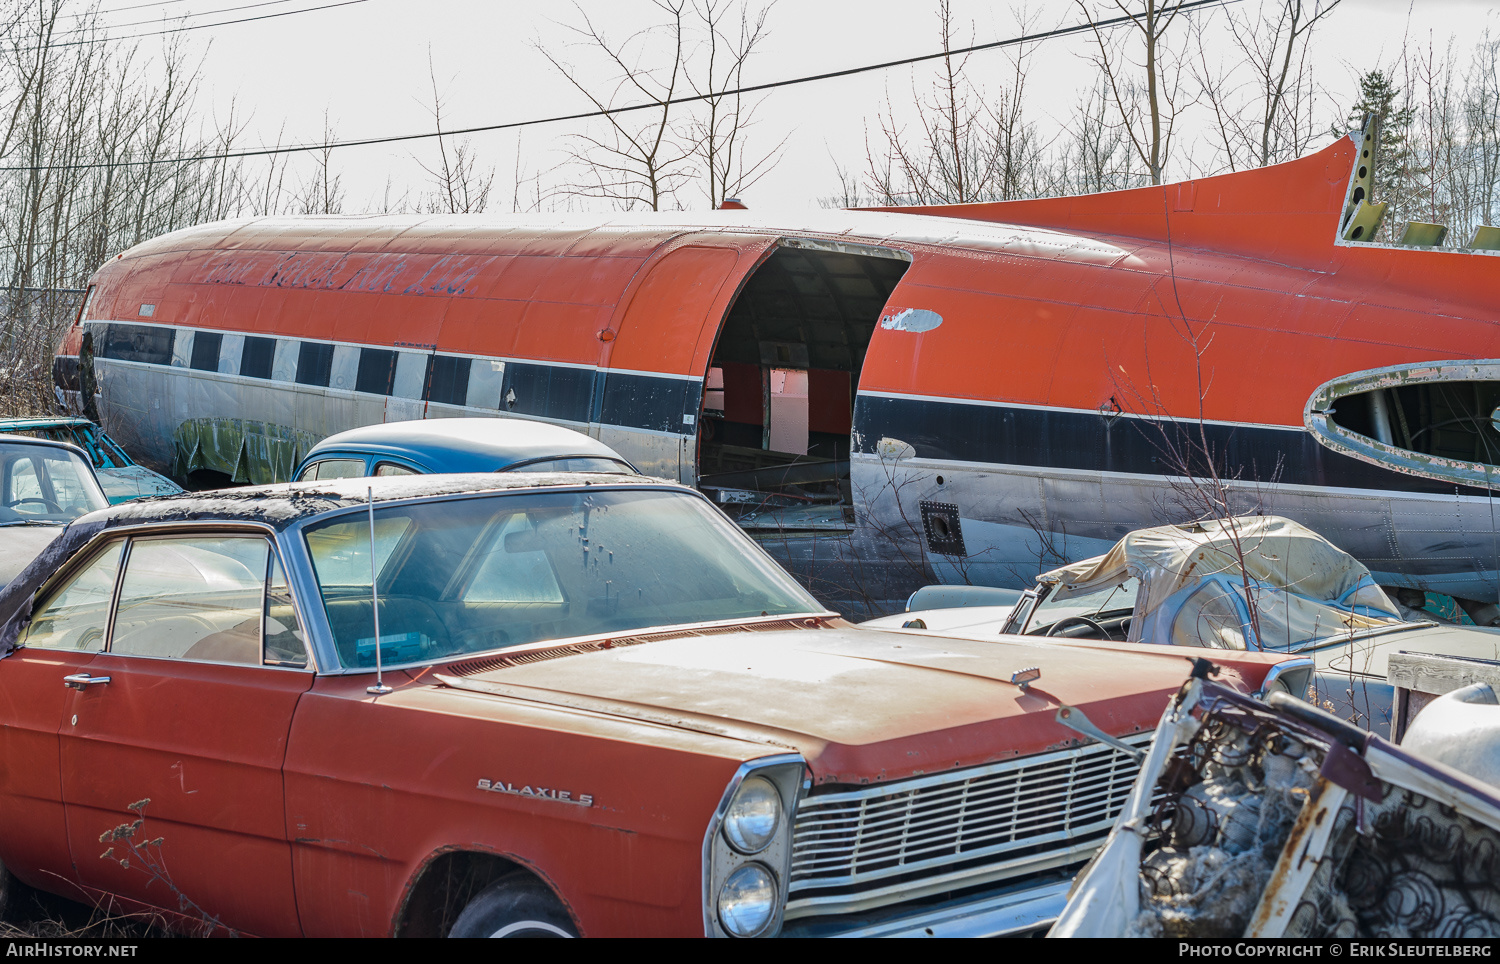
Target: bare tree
point(729, 34)
point(638, 161)
point(1095, 155)
point(651, 145)
point(1264, 98)
point(100, 146)
point(322, 192)
point(1144, 90)
point(965, 145)
point(1482, 118)
point(459, 185)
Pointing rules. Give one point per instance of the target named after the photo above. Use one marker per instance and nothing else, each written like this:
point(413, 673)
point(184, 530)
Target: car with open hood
point(529, 704)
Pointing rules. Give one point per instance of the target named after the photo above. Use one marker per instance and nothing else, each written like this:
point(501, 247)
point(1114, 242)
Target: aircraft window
point(75, 617)
point(257, 356)
point(193, 597)
point(206, 351)
point(314, 364)
point(391, 468)
point(448, 380)
point(139, 343)
point(377, 369)
point(556, 392)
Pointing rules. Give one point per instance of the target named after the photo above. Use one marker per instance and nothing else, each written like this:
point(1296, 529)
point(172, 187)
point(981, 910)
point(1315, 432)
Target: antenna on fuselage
point(379, 689)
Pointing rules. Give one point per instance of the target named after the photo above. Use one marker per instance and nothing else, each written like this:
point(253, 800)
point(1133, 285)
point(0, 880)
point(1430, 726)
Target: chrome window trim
point(128, 534)
point(1293, 665)
point(715, 876)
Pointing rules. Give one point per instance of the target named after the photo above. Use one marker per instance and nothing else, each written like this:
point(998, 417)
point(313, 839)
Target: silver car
point(44, 485)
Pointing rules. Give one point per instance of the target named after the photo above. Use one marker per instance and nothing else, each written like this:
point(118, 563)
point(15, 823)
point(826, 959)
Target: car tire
point(515, 906)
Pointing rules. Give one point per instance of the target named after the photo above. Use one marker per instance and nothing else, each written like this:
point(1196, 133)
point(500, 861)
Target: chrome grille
point(955, 829)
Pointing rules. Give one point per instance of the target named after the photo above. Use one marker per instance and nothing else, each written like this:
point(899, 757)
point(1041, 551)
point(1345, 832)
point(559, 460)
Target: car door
point(182, 725)
point(66, 632)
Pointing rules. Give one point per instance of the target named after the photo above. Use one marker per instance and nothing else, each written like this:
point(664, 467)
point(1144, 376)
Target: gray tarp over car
point(1199, 583)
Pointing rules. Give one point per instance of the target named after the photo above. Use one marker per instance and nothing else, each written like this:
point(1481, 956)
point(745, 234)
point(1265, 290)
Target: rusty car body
point(518, 703)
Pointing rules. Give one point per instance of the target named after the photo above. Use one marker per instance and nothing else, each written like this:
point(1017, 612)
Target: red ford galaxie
point(534, 705)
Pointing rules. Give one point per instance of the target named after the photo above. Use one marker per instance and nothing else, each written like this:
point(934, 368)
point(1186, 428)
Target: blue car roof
point(463, 444)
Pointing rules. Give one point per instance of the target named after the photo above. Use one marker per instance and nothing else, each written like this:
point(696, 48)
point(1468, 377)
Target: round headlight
point(747, 901)
point(753, 816)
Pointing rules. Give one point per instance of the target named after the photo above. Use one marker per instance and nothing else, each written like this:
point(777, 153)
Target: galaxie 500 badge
point(541, 793)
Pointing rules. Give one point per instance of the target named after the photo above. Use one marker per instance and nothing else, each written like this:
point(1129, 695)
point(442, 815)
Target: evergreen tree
point(1396, 167)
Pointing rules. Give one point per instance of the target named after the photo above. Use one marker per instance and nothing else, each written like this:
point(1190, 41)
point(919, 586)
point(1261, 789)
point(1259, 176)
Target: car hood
point(858, 704)
point(133, 482)
point(1367, 655)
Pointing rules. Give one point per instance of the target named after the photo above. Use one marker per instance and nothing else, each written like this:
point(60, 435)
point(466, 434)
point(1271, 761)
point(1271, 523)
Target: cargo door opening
point(778, 402)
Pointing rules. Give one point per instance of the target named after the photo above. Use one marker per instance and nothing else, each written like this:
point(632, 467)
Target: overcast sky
point(366, 66)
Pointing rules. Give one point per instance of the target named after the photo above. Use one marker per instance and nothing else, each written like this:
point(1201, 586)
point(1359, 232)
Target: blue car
point(122, 478)
point(427, 446)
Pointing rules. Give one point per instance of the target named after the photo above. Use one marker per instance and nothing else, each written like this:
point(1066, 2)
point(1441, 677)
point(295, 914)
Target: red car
point(548, 705)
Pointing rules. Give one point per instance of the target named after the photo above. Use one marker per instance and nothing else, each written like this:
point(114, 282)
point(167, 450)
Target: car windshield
point(472, 575)
point(39, 483)
point(1067, 614)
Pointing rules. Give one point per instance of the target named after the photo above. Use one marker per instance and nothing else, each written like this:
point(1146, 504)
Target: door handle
point(82, 681)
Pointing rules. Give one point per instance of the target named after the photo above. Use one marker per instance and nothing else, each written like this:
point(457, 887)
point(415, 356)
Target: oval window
point(1435, 419)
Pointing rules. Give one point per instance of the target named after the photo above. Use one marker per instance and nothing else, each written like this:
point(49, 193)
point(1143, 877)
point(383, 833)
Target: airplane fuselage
point(975, 393)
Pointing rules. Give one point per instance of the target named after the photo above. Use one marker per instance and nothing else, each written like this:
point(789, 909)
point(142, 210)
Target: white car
point(1246, 583)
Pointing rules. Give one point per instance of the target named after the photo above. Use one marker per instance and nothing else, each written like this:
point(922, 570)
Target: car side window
point(333, 469)
point(76, 616)
point(391, 468)
point(286, 644)
point(193, 597)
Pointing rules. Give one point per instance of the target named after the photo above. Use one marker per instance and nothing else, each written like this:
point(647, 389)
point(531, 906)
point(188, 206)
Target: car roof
point(280, 506)
point(31, 424)
point(287, 503)
point(464, 444)
point(49, 443)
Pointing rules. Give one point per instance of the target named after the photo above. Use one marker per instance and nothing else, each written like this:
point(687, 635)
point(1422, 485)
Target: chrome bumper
point(1015, 910)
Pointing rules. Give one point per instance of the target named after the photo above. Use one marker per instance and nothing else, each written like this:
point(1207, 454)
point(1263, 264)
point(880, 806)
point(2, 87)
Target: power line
point(587, 115)
point(138, 23)
point(158, 4)
point(202, 26)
